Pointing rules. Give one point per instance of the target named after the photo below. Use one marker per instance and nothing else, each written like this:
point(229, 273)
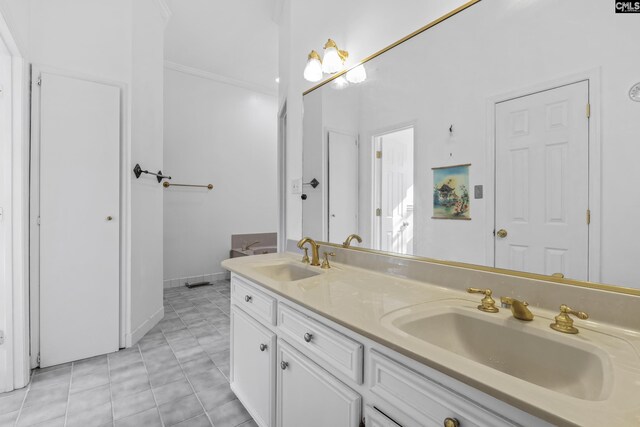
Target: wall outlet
point(296, 186)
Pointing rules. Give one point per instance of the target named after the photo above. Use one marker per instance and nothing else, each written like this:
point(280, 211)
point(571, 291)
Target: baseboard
point(211, 277)
point(132, 338)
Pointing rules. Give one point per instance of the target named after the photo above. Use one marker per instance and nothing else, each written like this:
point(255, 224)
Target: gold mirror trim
point(391, 46)
point(513, 273)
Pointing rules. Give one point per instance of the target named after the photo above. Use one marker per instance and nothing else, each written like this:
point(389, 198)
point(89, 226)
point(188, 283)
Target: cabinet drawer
point(425, 401)
point(253, 301)
point(375, 418)
point(329, 346)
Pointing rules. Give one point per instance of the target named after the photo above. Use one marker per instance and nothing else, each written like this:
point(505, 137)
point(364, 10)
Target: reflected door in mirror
point(542, 182)
point(343, 185)
point(394, 161)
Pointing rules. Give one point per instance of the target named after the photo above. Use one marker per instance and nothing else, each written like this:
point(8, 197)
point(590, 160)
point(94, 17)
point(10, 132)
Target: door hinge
point(378, 212)
point(39, 81)
point(588, 216)
point(38, 359)
point(588, 110)
point(38, 220)
point(378, 154)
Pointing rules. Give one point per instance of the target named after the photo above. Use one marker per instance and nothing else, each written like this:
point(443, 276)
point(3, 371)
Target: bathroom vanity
point(341, 346)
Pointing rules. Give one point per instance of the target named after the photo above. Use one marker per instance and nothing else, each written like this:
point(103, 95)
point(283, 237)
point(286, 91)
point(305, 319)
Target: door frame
point(376, 176)
point(124, 208)
point(16, 274)
point(593, 78)
point(282, 178)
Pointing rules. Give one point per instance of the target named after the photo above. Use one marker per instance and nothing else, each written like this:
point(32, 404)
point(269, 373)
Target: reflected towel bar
point(167, 184)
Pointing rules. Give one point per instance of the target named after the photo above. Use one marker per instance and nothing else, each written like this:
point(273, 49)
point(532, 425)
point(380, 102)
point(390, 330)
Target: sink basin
point(286, 272)
point(529, 351)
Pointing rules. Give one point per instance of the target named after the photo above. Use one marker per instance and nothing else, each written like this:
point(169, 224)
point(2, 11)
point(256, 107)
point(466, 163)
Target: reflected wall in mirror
point(535, 96)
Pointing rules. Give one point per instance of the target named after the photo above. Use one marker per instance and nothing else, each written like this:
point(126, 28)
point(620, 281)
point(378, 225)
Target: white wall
point(224, 135)
point(361, 27)
point(147, 133)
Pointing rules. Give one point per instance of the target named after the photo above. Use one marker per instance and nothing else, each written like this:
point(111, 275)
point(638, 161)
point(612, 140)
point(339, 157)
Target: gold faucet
point(519, 309)
point(351, 237)
point(564, 323)
point(315, 260)
point(488, 304)
point(325, 262)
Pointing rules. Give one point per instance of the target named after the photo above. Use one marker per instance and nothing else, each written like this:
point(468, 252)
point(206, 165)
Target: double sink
point(574, 366)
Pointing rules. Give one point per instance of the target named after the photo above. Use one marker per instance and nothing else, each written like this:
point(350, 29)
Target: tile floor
point(176, 375)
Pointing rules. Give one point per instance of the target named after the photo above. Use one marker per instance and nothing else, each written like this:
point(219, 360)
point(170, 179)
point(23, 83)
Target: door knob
point(109, 218)
point(451, 422)
point(284, 365)
point(263, 347)
point(502, 233)
point(308, 337)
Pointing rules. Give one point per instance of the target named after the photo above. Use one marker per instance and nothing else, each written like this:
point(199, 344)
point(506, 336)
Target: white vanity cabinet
point(252, 368)
point(291, 367)
point(309, 396)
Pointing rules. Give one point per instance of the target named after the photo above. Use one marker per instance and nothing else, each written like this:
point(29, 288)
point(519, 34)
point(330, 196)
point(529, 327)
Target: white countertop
point(358, 299)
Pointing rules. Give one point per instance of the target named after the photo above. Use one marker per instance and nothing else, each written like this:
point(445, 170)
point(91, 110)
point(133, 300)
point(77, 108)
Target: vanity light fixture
point(357, 74)
point(334, 58)
point(340, 83)
point(313, 70)
point(634, 93)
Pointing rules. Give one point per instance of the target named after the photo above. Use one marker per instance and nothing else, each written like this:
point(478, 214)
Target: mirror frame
point(514, 273)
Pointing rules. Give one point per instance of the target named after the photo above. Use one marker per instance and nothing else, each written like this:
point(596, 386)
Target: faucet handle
point(325, 262)
point(563, 323)
point(487, 304)
point(305, 257)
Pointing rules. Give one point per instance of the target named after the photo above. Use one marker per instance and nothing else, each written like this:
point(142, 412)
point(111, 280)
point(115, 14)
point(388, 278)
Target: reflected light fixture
point(334, 58)
point(340, 83)
point(357, 74)
point(313, 70)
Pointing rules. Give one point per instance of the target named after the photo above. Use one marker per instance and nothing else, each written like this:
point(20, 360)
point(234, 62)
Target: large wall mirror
point(507, 135)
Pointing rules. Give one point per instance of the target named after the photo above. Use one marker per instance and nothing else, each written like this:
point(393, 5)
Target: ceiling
point(235, 39)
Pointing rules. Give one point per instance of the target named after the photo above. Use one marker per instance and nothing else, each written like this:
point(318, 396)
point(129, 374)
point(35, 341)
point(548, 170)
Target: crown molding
point(165, 10)
point(219, 78)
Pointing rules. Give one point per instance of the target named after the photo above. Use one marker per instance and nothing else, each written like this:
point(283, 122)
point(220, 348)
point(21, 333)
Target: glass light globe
point(340, 83)
point(357, 74)
point(331, 63)
point(313, 69)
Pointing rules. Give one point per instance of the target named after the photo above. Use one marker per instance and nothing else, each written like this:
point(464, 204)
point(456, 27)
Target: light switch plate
point(296, 186)
point(477, 191)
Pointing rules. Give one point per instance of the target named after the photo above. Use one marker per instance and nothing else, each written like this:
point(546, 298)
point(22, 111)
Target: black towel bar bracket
point(137, 170)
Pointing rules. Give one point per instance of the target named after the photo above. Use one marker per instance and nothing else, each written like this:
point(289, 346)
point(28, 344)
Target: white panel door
point(343, 186)
point(79, 207)
point(542, 182)
point(311, 397)
point(253, 361)
point(396, 197)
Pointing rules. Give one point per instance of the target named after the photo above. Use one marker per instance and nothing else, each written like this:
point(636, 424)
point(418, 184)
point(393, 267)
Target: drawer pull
point(308, 337)
point(284, 365)
point(451, 422)
point(263, 347)
point(248, 298)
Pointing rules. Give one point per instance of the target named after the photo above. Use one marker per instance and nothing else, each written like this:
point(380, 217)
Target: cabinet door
point(253, 361)
point(309, 396)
